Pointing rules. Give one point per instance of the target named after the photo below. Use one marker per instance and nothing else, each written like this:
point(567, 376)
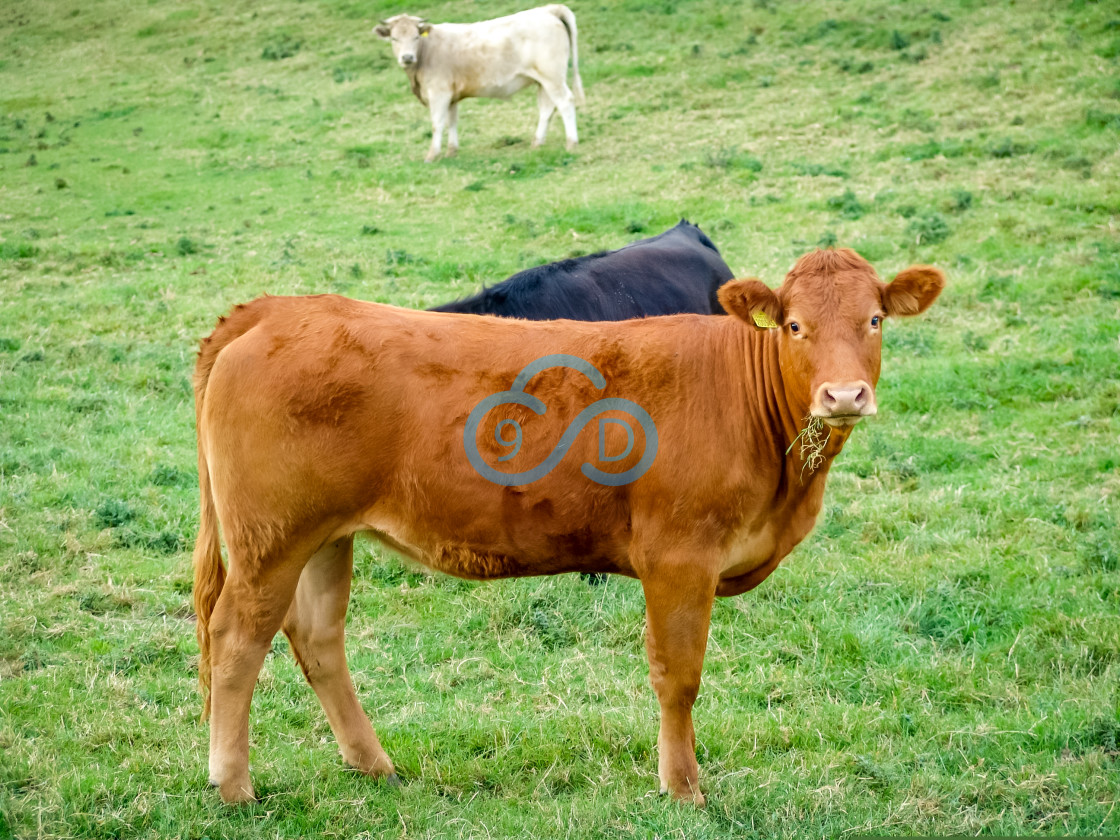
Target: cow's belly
point(498, 88)
point(749, 550)
point(492, 543)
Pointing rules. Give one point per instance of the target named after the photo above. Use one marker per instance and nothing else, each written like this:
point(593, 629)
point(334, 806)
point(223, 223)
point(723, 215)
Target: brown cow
point(319, 417)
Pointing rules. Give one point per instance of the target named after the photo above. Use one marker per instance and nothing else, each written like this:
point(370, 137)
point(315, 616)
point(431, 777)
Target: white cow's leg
point(545, 108)
point(453, 128)
point(315, 625)
point(561, 97)
point(568, 115)
point(439, 105)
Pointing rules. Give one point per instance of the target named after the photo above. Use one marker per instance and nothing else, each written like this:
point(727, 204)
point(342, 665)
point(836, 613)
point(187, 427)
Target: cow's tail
point(209, 577)
point(209, 571)
point(568, 18)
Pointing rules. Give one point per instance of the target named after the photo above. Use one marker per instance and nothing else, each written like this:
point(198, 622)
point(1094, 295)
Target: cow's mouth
point(842, 421)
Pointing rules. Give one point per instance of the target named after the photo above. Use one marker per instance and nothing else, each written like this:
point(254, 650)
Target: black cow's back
point(677, 271)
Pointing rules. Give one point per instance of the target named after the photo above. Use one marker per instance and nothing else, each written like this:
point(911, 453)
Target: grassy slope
point(940, 657)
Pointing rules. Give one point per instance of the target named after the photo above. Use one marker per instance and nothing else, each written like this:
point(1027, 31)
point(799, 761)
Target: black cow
point(676, 271)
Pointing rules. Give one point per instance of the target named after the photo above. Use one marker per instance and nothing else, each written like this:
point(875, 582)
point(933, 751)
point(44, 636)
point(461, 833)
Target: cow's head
point(404, 33)
point(828, 315)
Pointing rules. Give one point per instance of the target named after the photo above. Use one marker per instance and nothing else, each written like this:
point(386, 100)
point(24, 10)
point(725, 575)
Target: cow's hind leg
point(678, 611)
point(246, 616)
point(315, 626)
point(564, 102)
point(545, 107)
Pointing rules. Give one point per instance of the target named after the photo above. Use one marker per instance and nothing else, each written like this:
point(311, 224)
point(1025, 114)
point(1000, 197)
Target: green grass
point(940, 657)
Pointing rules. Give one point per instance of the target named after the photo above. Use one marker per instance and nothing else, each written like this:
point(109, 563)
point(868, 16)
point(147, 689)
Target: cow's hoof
point(370, 760)
point(688, 795)
point(393, 781)
point(572, 145)
point(235, 793)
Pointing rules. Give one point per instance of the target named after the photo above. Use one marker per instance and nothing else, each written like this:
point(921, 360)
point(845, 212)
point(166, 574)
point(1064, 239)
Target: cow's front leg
point(453, 129)
point(439, 105)
point(678, 611)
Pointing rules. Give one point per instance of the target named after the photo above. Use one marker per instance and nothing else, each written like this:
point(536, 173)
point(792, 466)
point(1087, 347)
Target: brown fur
point(320, 417)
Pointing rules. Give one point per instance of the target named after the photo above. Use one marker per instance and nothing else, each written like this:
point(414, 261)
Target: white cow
point(447, 62)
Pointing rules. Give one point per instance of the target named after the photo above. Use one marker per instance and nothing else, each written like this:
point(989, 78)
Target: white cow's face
point(404, 33)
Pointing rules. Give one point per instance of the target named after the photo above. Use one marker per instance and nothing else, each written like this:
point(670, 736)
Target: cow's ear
point(424, 27)
point(913, 290)
point(752, 301)
point(382, 30)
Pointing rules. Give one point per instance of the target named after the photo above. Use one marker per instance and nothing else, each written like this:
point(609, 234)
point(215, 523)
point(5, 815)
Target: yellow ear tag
point(424, 34)
point(763, 320)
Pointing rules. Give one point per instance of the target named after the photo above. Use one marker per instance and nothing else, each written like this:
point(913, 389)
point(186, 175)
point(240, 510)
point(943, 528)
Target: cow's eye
point(876, 321)
point(794, 327)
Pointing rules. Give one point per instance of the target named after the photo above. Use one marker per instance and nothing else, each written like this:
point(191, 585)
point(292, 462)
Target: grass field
point(942, 655)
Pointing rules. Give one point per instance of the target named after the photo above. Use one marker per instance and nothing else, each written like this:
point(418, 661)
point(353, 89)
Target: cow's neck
point(794, 483)
point(413, 74)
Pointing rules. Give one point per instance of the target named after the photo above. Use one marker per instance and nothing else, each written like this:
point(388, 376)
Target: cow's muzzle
point(407, 60)
point(843, 404)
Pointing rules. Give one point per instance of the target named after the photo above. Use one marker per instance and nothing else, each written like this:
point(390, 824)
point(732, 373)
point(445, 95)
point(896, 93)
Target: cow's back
point(678, 271)
point(685, 251)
